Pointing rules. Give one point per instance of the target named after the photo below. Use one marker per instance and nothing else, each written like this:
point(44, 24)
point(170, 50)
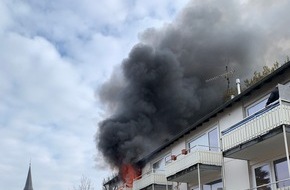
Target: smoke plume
point(161, 89)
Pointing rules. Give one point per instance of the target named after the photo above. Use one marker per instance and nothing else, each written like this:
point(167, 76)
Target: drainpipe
point(166, 184)
point(223, 173)
point(153, 173)
point(198, 172)
point(286, 148)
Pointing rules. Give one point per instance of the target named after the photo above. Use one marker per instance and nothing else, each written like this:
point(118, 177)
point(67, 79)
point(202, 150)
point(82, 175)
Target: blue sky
point(54, 55)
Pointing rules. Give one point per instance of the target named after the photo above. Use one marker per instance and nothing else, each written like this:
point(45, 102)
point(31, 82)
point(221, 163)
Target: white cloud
point(46, 108)
point(53, 56)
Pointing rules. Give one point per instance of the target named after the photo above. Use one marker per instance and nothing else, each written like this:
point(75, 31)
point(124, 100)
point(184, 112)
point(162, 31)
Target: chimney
point(238, 82)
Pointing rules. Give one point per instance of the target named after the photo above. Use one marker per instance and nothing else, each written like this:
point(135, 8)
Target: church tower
point(28, 184)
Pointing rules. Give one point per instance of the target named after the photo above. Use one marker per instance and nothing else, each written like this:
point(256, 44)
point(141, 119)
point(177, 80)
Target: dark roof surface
point(220, 109)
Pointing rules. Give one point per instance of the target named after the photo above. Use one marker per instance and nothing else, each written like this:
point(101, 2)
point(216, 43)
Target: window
point(275, 172)
point(213, 140)
point(262, 176)
point(257, 106)
point(167, 159)
point(207, 141)
point(160, 164)
point(201, 143)
point(281, 172)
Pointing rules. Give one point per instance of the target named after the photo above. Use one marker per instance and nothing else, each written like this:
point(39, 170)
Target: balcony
point(123, 187)
point(258, 133)
point(115, 183)
point(198, 162)
point(151, 178)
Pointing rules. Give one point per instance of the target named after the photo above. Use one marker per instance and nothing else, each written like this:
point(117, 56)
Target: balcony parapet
point(256, 125)
point(149, 178)
point(195, 156)
point(124, 187)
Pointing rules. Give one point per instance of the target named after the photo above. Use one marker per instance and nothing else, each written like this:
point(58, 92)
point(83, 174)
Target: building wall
point(231, 116)
point(237, 174)
point(178, 146)
point(182, 186)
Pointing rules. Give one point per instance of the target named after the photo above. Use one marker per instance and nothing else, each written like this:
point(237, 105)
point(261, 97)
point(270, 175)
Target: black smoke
point(161, 89)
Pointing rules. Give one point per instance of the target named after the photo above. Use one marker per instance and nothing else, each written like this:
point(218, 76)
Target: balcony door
point(256, 106)
point(263, 176)
point(206, 141)
point(274, 172)
point(213, 140)
point(160, 164)
point(281, 173)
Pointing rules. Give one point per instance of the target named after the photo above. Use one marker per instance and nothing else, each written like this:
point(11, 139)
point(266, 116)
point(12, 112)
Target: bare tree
point(85, 184)
point(259, 75)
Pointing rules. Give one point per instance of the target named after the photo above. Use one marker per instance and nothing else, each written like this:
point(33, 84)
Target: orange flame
point(129, 173)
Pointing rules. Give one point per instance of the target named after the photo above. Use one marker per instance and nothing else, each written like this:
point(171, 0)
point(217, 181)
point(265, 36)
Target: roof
point(28, 184)
point(220, 109)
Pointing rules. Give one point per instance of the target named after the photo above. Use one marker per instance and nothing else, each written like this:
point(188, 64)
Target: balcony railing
point(124, 187)
point(277, 185)
point(256, 125)
point(197, 155)
point(150, 178)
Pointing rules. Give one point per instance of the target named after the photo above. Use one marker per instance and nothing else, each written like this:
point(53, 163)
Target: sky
point(55, 55)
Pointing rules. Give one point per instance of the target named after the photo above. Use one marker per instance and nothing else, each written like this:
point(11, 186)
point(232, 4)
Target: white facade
point(231, 149)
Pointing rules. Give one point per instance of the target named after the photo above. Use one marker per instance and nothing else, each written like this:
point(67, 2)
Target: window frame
point(167, 156)
point(218, 139)
point(260, 165)
point(214, 127)
point(277, 161)
point(255, 103)
point(162, 159)
point(196, 138)
point(271, 164)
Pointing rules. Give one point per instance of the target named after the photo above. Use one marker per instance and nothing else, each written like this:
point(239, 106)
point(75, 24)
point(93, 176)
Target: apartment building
point(242, 145)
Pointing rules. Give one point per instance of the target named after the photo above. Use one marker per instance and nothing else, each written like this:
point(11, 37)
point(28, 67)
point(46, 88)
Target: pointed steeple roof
point(28, 184)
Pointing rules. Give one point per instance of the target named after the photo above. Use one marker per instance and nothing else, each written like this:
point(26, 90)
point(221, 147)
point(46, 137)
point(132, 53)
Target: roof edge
point(219, 109)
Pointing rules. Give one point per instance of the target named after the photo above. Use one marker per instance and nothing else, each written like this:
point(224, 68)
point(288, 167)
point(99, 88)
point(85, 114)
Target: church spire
point(28, 184)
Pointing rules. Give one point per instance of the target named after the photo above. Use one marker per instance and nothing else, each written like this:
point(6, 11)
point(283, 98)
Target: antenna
point(225, 75)
point(229, 73)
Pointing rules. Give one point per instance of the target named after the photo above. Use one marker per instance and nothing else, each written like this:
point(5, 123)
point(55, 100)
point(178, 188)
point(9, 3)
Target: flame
point(129, 173)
